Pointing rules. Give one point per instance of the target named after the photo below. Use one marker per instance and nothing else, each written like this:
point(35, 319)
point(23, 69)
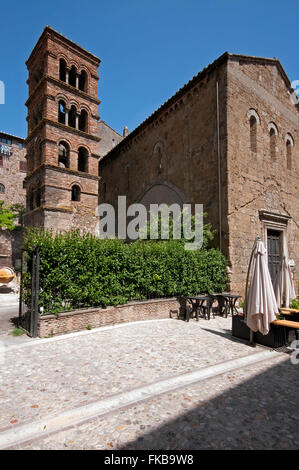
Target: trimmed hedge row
point(81, 270)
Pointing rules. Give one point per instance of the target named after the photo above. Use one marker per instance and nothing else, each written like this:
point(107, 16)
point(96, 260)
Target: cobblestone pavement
point(9, 308)
point(254, 407)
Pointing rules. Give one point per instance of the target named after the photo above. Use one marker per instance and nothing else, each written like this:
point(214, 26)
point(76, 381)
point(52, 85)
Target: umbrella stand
point(257, 239)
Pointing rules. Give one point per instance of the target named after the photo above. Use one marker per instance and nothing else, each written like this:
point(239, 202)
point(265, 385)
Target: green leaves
point(6, 217)
point(82, 271)
point(9, 214)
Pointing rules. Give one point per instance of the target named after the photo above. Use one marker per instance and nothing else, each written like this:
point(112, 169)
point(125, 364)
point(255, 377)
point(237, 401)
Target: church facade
point(228, 140)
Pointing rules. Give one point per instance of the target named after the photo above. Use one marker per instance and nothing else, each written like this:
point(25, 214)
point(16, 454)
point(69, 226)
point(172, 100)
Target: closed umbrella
point(283, 285)
point(261, 305)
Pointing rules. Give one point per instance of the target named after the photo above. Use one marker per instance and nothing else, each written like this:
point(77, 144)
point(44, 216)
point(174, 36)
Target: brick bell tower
point(62, 143)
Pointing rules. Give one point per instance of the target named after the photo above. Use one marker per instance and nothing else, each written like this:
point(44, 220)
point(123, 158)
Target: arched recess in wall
point(273, 134)
point(162, 192)
point(254, 121)
point(289, 142)
point(159, 158)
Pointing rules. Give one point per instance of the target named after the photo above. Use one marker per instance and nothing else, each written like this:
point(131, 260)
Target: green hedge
point(86, 271)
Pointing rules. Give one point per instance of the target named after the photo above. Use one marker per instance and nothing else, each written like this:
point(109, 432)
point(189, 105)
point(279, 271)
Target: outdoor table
point(226, 302)
point(197, 306)
point(292, 314)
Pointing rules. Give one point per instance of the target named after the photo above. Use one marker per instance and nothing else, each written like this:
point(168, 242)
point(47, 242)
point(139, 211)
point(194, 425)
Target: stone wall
point(176, 147)
point(12, 175)
point(262, 190)
point(50, 325)
point(109, 138)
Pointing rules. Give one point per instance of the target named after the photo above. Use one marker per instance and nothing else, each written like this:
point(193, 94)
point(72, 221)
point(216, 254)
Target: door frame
point(278, 222)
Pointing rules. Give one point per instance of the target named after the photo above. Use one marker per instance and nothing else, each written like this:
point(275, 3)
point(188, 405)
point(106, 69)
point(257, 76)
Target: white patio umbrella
point(260, 301)
point(283, 284)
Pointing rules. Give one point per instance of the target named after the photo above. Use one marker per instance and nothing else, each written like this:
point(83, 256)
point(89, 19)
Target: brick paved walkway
point(250, 407)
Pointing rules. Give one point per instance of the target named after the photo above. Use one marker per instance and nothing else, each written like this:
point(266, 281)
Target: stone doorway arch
point(162, 192)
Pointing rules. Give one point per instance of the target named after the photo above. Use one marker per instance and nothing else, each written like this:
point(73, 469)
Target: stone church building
point(228, 139)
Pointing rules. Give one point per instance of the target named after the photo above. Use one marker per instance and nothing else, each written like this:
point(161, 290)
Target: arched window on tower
point(63, 155)
point(72, 116)
point(82, 159)
point(61, 112)
point(76, 193)
point(2, 188)
point(72, 76)
point(62, 70)
point(253, 134)
point(83, 81)
point(83, 120)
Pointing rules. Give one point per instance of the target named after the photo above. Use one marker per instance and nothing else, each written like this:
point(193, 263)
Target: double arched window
point(71, 117)
point(64, 157)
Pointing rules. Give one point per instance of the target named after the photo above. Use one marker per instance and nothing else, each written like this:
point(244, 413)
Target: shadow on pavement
point(260, 413)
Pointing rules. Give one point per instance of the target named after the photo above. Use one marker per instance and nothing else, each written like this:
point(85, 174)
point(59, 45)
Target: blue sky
point(148, 48)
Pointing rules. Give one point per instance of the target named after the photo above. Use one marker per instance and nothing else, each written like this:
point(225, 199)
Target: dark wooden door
point(274, 252)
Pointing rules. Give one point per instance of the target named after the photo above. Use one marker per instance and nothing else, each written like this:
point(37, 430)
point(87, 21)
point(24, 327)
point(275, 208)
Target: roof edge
point(49, 30)
point(210, 68)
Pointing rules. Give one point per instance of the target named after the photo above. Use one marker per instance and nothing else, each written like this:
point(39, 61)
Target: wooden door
point(274, 238)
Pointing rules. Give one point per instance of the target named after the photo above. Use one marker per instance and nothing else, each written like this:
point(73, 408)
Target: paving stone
point(253, 407)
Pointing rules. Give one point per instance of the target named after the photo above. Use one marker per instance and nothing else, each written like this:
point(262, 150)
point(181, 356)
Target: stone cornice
point(63, 188)
point(49, 208)
point(63, 85)
point(59, 169)
point(274, 217)
point(65, 128)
